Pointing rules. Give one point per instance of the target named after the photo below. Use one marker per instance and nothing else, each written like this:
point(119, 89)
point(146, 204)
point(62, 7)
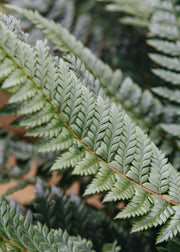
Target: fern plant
point(111, 85)
point(96, 139)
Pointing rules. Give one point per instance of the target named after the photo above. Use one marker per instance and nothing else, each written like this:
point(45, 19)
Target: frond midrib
point(82, 142)
point(13, 243)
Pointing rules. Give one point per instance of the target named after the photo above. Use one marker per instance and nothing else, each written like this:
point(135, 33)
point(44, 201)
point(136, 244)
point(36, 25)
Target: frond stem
point(13, 243)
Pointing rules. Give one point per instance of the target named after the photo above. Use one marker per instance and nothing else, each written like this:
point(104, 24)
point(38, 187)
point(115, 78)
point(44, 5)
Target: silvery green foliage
point(95, 139)
point(15, 26)
point(113, 86)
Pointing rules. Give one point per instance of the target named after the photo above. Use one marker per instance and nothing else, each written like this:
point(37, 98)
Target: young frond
point(136, 163)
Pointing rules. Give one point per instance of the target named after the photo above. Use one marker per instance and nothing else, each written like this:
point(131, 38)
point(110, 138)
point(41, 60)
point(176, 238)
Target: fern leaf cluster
point(18, 234)
point(95, 139)
point(143, 107)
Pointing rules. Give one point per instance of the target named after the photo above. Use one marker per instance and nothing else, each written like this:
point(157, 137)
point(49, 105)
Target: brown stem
point(13, 243)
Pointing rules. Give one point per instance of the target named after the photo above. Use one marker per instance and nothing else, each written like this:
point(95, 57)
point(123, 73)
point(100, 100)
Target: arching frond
point(101, 79)
point(116, 151)
point(114, 84)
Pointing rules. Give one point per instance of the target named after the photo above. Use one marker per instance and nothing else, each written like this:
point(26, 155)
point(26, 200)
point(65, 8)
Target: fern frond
point(19, 234)
point(145, 168)
point(164, 29)
point(142, 106)
point(114, 84)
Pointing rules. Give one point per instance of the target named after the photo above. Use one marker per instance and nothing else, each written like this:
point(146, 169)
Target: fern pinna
point(137, 12)
point(94, 138)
